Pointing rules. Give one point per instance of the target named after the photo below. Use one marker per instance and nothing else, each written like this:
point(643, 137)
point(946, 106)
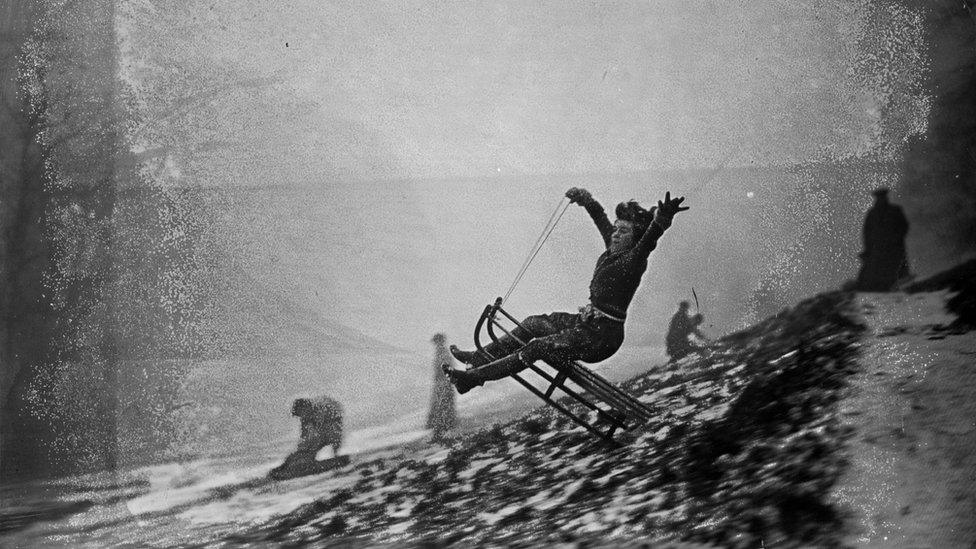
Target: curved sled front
point(620, 409)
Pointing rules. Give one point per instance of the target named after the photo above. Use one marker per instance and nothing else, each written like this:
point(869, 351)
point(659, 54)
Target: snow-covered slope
point(746, 447)
point(911, 480)
point(847, 420)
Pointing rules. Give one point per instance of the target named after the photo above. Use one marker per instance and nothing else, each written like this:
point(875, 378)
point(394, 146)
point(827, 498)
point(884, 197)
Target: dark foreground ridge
point(960, 280)
point(742, 454)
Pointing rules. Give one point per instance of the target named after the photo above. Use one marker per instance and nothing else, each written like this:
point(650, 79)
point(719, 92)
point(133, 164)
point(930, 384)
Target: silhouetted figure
point(884, 261)
point(678, 343)
point(321, 424)
point(442, 416)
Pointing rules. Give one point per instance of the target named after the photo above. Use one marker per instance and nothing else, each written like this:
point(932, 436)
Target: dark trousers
point(560, 337)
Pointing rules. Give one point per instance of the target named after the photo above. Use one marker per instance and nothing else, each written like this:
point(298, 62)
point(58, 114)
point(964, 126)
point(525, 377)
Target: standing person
point(597, 331)
point(442, 416)
point(678, 343)
point(884, 260)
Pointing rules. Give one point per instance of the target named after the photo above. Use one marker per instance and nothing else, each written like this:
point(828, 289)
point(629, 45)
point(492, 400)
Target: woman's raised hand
point(577, 195)
point(667, 209)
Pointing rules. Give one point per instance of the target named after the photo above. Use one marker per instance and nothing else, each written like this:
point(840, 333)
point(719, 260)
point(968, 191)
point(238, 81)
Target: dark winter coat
point(559, 337)
point(681, 328)
point(884, 259)
point(321, 424)
point(617, 275)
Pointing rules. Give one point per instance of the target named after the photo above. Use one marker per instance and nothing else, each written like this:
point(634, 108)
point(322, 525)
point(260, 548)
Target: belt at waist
point(591, 311)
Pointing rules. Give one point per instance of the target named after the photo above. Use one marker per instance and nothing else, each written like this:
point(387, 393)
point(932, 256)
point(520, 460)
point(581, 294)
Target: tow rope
point(557, 214)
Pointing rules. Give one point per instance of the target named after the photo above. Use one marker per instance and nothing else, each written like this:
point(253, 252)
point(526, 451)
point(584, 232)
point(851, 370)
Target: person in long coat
point(442, 416)
point(884, 260)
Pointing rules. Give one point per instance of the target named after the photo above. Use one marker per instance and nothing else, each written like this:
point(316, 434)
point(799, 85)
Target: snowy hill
point(844, 421)
point(781, 435)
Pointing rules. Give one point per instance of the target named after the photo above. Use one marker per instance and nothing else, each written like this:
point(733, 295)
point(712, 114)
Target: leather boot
point(472, 358)
point(465, 380)
point(504, 346)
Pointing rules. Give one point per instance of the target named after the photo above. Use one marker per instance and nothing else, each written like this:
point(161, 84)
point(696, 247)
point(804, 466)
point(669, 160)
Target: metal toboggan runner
point(619, 410)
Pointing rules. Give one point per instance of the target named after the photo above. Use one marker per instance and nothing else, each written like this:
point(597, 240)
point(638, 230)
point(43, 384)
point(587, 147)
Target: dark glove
point(667, 209)
point(577, 195)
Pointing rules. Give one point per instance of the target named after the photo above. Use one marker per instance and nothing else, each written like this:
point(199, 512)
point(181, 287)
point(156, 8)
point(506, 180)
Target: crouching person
point(321, 424)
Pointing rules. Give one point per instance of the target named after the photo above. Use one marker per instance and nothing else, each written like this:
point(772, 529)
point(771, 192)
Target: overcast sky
point(430, 90)
point(452, 94)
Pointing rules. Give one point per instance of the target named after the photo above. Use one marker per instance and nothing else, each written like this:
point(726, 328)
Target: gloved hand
point(667, 209)
point(576, 195)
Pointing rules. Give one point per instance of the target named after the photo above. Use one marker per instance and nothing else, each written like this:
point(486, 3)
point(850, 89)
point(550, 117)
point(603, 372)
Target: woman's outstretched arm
point(583, 197)
point(666, 210)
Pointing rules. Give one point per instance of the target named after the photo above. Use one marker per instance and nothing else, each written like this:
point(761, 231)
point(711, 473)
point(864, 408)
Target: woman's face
point(622, 237)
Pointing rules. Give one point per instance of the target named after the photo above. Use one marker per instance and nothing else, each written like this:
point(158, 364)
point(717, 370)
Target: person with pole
point(682, 327)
